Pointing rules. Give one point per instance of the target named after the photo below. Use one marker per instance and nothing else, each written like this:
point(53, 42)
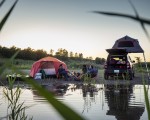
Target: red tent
point(46, 63)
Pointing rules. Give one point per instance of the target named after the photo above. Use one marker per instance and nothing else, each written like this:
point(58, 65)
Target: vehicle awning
point(117, 51)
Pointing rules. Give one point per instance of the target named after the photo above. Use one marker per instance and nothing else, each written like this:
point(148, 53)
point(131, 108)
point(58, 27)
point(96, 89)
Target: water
point(101, 102)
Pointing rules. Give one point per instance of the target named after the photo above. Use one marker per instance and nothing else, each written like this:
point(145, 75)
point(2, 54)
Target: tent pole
point(146, 66)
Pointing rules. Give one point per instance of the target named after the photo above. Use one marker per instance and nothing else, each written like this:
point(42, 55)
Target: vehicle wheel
point(106, 76)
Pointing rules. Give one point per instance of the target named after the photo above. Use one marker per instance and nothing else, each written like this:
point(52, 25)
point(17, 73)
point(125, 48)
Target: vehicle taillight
point(128, 65)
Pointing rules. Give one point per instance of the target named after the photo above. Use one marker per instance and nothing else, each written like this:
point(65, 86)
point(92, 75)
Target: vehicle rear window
point(117, 59)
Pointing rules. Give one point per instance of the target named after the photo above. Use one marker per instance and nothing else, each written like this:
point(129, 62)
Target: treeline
point(31, 54)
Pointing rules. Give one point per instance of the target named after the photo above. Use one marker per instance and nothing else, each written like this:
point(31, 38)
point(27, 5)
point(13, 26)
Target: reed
point(146, 94)
point(15, 108)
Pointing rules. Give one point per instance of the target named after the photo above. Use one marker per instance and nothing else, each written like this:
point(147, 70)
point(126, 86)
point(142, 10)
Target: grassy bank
point(71, 64)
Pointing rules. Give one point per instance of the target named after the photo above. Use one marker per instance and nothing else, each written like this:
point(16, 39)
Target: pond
point(94, 102)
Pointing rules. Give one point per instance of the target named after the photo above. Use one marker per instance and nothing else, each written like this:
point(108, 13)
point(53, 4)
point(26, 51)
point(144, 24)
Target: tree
point(62, 54)
point(71, 54)
point(40, 54)
point(65, 53)
point(76, 55)
point(90, 58)
point(80, 55)
point(51, 52)
point(27, 54)
point(99, 60)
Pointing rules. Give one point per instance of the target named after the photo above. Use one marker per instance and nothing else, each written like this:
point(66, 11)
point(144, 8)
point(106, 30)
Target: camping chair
point(59, 76)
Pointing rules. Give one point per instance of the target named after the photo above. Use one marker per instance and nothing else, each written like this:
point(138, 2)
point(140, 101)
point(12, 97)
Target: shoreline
point(97, 80)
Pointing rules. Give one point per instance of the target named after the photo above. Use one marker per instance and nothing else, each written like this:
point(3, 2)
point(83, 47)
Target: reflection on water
point(99, 101)
point(120, 105)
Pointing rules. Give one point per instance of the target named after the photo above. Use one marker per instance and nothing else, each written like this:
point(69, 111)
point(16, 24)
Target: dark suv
point(119, 64)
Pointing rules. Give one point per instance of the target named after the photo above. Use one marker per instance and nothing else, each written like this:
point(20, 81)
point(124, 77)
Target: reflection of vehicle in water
point(121, 104)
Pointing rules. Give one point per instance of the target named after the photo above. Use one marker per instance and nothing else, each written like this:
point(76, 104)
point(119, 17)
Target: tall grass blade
point(6, 94)
point(7, 64)
point(137, 16)
point(146, 94)
point(146, 97)
point(147, 101)
point(142, 21)
point(2, 2)
point(7, 15)
point(134, 9)
point(66, 112)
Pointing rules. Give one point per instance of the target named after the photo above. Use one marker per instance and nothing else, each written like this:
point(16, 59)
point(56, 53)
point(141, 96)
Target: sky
point(71, 25)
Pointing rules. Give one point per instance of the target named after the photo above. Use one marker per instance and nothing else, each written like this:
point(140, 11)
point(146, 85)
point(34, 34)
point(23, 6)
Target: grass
point(71, 64)
point(19, 63)
point(15, 108)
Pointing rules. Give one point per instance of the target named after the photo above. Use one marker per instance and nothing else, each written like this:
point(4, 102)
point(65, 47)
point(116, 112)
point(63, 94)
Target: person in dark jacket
point(62, 72)
point(92, 72)
point(84, 69)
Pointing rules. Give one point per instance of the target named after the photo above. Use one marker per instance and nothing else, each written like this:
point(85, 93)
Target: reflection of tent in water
point(132, 46)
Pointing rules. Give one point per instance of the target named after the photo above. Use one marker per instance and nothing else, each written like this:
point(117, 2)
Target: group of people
point(89, 70)
point(86, 70)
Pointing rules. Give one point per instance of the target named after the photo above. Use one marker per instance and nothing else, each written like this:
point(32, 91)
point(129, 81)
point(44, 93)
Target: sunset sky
point(70, 24)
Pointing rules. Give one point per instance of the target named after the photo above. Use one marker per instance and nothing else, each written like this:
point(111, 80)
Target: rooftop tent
point(130, 44)
point(46, 63)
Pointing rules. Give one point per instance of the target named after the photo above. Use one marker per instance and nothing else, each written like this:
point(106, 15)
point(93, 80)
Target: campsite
point(90, 91)
point(74, 60)
point(114, 97)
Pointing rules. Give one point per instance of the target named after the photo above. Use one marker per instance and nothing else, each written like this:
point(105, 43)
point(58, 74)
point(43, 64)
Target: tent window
point(125, 44)
point(47, 64)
